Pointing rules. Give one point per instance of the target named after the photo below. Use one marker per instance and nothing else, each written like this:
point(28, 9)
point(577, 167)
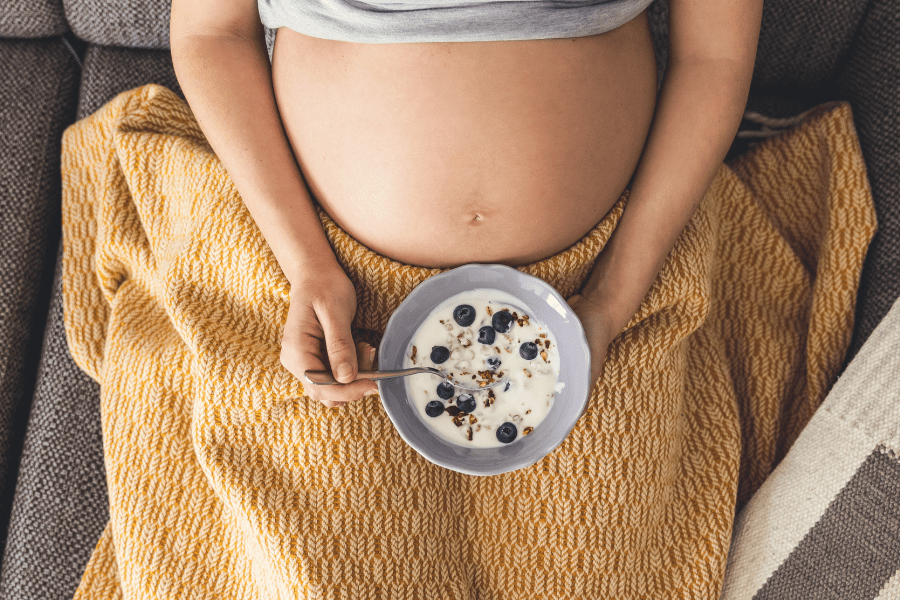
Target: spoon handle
point(326, 378)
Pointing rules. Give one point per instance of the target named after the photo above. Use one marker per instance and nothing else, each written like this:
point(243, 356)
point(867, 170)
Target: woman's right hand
point(317, 337)
point(219, 54)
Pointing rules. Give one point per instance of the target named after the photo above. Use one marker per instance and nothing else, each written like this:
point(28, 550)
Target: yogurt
point(477, 338)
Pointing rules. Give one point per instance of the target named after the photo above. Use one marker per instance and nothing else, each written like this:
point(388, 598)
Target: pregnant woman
point(384, 142)
point(467, 132)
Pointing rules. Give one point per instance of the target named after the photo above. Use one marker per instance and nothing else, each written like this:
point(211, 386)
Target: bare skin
point(424, 162)
point(481, 145)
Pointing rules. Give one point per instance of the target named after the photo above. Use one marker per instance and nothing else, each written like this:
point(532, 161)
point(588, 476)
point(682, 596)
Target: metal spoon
point(326, 378)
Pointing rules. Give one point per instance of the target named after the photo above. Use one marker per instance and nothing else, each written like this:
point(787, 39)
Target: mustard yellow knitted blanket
point(223, 484)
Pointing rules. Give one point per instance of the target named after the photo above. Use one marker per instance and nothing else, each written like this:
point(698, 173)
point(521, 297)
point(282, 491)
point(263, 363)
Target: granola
point(484, 337)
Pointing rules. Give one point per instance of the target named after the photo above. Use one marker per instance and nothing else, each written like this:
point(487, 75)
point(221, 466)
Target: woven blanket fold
point(225, 482)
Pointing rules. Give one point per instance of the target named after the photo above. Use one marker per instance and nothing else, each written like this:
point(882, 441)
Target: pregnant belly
point(441, 154)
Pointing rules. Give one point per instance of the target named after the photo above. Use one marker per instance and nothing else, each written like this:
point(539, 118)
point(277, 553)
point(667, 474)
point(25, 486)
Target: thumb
point(339, 344)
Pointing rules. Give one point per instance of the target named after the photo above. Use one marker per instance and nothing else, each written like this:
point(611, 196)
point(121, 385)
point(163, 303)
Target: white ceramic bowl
point(547, 306)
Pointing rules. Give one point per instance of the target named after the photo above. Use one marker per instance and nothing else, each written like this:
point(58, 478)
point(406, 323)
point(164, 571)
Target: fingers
point(317, 334)
point(335, 396)
point(366, 355)
point(301, 352)
point(338, 396)
point(342, 353)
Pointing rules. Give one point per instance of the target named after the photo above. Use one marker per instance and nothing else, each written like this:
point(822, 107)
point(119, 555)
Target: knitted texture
point(223, 484)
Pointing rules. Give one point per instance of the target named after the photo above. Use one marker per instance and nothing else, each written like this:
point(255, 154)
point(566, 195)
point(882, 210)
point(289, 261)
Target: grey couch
point(62, 59)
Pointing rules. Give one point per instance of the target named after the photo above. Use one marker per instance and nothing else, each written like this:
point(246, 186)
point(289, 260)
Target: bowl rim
point(569, 424)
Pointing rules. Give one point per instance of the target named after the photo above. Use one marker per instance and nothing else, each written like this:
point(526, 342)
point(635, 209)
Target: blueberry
point(507, 432)
point(493, 362)
point(445, 390)
point(502, 321)
point(528, 351)
point(464, 315)
point(434, 408)
point(439, 354)
point(486, 335)
point(466, 403)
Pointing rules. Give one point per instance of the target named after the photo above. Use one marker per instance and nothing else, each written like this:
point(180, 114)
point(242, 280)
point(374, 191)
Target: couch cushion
point(109, 71)
point(32, 18)
point(802, 42)
point(60, 505)
point(37, 101)
point(132, 23)
point(870, 80)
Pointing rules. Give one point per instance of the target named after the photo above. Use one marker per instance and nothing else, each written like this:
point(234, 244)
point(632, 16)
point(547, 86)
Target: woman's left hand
point(598, 328)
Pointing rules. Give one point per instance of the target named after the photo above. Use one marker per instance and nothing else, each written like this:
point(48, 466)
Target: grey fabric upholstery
point(109, 71)
point(802, 42)
point(37, 100)
point(658, 18)
point(131, 23)
point(32, 18)
point(870, 80)
point(60, 505)
point(801, 45)
point(270, 40)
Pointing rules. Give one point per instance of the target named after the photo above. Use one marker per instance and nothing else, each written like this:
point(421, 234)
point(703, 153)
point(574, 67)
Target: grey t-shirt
point(400, 21)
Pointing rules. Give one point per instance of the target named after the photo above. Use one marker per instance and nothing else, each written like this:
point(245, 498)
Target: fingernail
point(371, 353)
point(344, 371)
